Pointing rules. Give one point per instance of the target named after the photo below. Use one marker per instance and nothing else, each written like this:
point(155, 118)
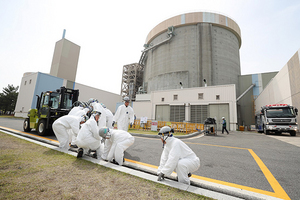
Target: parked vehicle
point(50, 106)
point(277, 118)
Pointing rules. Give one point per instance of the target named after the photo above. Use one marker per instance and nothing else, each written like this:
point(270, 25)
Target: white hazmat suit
point(102, 120)
point(88, 137)
point(178, 157)
point(62, 128)
point(77, 111)
point(109, 118)
point(115, 146)
point(124, 116)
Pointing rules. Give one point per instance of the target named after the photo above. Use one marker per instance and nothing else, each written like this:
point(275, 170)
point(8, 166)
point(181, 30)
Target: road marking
point(279, 192)
point(28, 134)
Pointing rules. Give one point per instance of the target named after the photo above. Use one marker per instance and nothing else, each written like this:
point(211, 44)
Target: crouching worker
point(176, 156)
point(88, 137)
point(117, 141)
point(64, 126)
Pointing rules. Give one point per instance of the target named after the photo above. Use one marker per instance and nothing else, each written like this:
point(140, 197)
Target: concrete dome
point(189, 48)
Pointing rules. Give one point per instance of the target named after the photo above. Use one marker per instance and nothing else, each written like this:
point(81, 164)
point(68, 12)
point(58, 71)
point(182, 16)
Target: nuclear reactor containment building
point(186, 49)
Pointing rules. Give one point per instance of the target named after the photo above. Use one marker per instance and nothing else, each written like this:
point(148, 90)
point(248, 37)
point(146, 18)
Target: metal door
point(218, 111)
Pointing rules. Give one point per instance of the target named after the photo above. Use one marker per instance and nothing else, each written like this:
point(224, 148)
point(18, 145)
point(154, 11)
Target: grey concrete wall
point(195, 52)
point(294, 74)
point(246, 103)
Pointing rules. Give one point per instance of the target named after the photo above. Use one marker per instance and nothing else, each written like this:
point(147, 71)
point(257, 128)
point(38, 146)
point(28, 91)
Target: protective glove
point(161, 177)
point(113, 124)
point(130, 125)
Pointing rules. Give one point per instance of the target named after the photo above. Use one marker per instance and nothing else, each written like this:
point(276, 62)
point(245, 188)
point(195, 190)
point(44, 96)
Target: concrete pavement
point(145, 171)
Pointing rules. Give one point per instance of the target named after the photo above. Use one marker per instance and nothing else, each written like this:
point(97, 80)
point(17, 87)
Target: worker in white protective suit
point(124, 116)
point(109, 117)
point(80, 108)
point(176, 156)
point(88, 137)
point(98, 108)
point(61, 128)
point(117, 141)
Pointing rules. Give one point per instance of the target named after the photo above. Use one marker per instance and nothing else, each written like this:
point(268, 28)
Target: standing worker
point(124, 116)
point(115, 145)
point(224, 125)
point(176, 156)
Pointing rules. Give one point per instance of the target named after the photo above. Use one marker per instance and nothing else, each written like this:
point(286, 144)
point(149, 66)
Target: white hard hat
point(126, 99)
point(92, 100)
point(166, 130)
point(223, 117)
point(104, 132)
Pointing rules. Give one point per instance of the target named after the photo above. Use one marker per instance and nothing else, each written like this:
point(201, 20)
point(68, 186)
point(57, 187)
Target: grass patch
point(31, 171)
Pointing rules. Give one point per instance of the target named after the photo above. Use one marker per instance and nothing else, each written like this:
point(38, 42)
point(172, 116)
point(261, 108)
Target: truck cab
point(277, 118)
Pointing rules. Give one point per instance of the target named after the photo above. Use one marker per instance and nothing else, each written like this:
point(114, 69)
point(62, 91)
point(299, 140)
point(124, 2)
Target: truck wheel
point(293, 133)
point(41, 129)
point(26, 125)
point(266, 131)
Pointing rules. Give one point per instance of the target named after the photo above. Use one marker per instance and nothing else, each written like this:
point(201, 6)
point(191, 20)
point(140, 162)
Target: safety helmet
point(77, 103)
point(85, 104)
point(84, 118)
point(165, 132)
point(104, 133)
point(223, 117)
point(126, 99)
point(92, 100)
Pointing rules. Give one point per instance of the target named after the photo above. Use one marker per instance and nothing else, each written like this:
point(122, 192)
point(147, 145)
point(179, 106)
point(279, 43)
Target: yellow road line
point(279, 192)
point(29, 134)
point(140, 163)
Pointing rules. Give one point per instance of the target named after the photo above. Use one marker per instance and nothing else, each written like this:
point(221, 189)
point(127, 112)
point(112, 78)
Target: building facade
point(189, 105)
point(186, 49)
point(284, 88)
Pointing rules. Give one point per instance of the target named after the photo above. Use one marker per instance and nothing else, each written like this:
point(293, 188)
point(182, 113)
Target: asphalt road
point(245, 160)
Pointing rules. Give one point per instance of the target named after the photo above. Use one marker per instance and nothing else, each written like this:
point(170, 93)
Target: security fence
point(177, 126)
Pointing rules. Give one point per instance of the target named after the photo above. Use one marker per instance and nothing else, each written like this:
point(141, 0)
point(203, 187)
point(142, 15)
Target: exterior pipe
point(162, 42)
point(251, 86)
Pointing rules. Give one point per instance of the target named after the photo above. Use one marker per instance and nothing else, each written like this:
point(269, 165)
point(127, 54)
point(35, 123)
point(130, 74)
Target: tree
point(8, 98)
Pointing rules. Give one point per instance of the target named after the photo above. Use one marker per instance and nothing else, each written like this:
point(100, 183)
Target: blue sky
point(112, 34)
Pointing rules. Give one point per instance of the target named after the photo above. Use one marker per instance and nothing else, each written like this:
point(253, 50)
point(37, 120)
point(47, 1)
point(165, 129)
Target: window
point(25, 82)
point(217, 97)
point(200, 95)
point(175, 97)
point(162, 99)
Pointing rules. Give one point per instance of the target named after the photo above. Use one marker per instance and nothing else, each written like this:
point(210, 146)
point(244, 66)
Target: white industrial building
point(62, 73)
point(189, 104)
point(284, 88)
